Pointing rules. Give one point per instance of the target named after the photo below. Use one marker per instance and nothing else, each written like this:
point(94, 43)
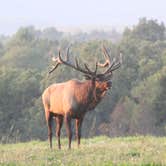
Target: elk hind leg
point(49, 125)
point(59, 122)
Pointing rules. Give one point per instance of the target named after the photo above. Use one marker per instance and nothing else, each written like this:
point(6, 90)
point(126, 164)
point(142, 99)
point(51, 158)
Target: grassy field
point(98, 151)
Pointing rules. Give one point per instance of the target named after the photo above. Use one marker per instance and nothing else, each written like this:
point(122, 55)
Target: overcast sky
point(77, 13)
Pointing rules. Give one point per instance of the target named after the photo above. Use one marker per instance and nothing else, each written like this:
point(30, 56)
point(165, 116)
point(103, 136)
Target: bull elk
point(72, 99)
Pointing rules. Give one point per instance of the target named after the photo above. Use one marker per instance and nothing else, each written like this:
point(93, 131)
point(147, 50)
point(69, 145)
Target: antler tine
point(57, 61)
point(87, 68)
point(96, 68)
point(114, 66)
point(111, 65)
point(52, 55)
point(107, 58)
point(67, 54)
point(106, 52)
point(77, 67)
point(54, 67)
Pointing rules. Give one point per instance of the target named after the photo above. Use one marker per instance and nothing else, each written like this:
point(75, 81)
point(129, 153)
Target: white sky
point(77, 13)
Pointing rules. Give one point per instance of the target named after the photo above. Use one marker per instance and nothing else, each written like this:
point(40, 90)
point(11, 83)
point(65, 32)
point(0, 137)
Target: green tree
point(149, 30)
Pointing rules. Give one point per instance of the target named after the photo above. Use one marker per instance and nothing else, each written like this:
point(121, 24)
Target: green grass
point(98, 151)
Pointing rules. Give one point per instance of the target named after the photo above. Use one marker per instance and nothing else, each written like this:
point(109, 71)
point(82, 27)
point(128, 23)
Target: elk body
point(72, 99)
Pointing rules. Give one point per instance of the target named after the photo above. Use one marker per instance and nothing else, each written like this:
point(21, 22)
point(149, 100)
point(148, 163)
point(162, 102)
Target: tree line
point(135, 104)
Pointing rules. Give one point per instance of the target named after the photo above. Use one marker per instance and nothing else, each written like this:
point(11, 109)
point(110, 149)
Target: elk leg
point(68, 128)
point(59, 122)
point(78, 124)
point(49, 124)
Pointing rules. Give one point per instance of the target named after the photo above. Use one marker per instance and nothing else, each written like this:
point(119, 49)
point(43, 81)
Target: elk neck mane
point(86, 92)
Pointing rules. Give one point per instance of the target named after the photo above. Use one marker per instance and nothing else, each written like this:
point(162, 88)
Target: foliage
point(134, 105)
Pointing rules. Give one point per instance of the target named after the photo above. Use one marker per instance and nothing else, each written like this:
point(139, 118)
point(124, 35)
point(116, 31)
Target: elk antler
point(59, 60)
point(106, 75)
point(111, 65)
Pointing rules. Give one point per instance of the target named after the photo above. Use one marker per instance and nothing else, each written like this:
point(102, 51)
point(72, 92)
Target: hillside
point(97, 151)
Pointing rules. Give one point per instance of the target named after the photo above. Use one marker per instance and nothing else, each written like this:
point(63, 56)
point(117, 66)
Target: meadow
point(97, 151)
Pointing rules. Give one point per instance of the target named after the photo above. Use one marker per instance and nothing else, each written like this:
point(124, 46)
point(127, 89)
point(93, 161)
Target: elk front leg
point(59, 122)
point(68, 128)
point(49, 125)
point(78, 124)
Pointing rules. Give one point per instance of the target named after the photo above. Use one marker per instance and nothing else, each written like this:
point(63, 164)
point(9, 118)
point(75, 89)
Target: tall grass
point(98, 151)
